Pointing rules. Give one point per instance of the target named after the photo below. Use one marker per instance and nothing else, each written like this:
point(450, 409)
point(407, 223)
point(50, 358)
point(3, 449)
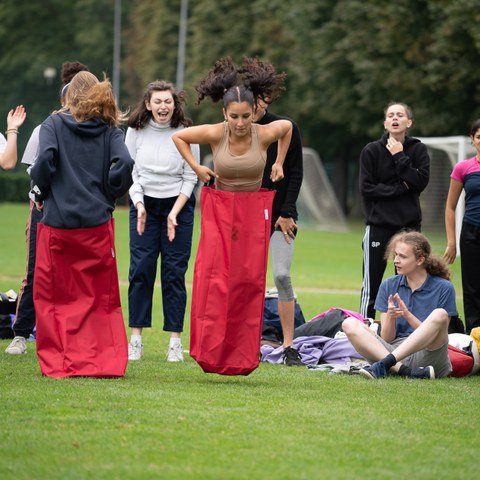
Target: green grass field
point(172, 421)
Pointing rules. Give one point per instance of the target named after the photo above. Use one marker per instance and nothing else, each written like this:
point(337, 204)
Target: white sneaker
point(135, 351)
point(17, 347)
point(175, 353)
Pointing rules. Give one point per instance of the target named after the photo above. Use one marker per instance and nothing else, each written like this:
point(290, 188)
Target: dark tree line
point(345, 59)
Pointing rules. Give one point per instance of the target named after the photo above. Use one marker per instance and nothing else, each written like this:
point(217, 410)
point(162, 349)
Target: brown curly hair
point(421, 247)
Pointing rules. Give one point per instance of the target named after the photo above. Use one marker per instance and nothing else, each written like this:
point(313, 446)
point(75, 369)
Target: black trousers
point(374, 245)
point(470, 262)
point(145, 252)
point(25, 315)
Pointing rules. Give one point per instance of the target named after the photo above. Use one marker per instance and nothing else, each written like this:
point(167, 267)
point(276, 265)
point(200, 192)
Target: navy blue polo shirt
point(436, 292)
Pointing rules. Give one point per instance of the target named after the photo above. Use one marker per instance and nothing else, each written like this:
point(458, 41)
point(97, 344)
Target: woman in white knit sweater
point(161, 214)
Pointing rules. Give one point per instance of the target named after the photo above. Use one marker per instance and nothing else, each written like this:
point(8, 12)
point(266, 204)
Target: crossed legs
point(431, 334)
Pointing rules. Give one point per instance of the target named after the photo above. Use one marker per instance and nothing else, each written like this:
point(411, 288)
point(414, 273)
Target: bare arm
point(171, 219)
point(388, 318)
point(15, 118)
point(281, 131)
point(452, 200)
point(203, 135)
point(172, 216)
point(388, 323)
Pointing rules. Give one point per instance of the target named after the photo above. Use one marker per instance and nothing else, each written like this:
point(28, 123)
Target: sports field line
point(334, 291)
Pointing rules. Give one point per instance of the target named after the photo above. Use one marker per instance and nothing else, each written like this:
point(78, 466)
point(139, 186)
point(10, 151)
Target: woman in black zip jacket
point(394, 170)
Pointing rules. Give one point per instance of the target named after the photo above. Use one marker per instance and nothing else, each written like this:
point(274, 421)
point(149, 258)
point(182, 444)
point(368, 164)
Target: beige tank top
point(239, 173)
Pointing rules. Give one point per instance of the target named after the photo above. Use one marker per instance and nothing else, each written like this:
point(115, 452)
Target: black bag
point(326, 326)
point(8, 307)
point(456, 325)
point(8, 303)
point(6, 330)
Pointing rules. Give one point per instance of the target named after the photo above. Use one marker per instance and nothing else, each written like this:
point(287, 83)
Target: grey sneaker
point(18, 346)
point(175, 353)
point(424, 373)
point(135, 351)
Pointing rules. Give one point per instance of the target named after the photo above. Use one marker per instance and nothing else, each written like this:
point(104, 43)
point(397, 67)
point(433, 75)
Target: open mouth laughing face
point(161, 105)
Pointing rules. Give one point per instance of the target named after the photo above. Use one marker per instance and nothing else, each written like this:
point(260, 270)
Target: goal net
point(317, 205)
point(444, 153)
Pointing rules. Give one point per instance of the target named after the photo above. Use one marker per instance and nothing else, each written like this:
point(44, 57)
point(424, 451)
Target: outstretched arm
point(281, 131)
point(15, 118)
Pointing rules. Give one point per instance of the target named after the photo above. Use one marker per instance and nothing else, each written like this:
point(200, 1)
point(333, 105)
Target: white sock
point(175, 341)
point(135, 339)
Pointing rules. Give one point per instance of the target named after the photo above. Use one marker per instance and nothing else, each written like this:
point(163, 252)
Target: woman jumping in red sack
point(229, 281)
point(238, 145)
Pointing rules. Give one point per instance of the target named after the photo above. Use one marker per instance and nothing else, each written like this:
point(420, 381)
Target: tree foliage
point(345, 59)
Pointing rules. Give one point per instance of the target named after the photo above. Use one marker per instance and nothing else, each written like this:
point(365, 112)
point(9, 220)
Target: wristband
point(12, 130)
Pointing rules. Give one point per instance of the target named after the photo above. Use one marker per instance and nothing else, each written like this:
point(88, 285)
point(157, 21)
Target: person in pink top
point(466, 176)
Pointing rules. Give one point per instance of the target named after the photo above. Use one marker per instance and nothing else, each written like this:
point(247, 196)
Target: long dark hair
point(434, 264)
point(253, 80)
point(141, 115)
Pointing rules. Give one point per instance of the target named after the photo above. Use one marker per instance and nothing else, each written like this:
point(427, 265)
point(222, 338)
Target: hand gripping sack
point(229, 280)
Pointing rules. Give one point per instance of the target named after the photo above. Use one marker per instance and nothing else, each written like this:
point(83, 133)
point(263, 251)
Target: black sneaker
point(423, 373)
point(373, 372)
point(291, 357)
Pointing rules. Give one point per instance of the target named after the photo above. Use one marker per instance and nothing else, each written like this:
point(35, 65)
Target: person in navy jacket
point(83, 166)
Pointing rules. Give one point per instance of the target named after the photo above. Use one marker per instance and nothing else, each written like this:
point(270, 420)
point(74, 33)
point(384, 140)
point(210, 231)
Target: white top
point(3, 143)
point(31, 150)
point(159, 170)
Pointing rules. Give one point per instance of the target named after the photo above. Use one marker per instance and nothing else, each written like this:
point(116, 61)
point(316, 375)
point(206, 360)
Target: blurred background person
point(466, 176)
point(284, 225)
point(25, 314)
point(394, 170)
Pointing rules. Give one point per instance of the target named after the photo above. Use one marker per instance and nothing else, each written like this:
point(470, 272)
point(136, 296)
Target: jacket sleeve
point(46, 162)
point(294, 160)
point(414, 172)
point(121, 165)
point(369, 186)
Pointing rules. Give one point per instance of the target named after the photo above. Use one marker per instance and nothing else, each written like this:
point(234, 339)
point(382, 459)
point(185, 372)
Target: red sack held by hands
point(229, 280)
